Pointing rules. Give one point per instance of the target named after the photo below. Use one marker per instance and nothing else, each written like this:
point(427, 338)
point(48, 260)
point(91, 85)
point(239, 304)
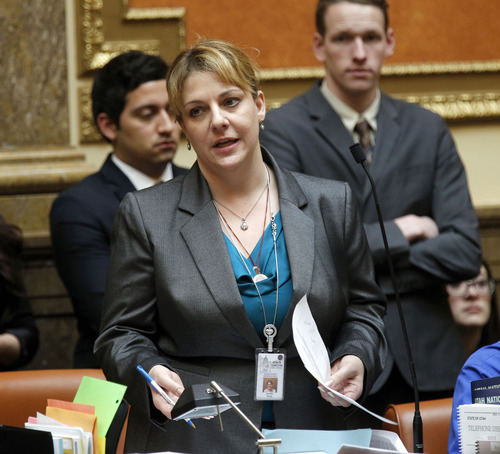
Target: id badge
point(270, 374)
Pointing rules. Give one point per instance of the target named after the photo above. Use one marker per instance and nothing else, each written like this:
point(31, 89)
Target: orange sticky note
point(83, 408)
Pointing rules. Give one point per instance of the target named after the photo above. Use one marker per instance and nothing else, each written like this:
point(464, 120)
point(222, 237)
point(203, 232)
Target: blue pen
point(160, 391)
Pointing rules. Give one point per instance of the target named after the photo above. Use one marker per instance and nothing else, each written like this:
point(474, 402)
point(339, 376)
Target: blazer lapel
point(299, 235)
point(328, 125)
point(116, 178)
point(386, 142)
point(298, 229)
point(387, 137)
point(205, 240)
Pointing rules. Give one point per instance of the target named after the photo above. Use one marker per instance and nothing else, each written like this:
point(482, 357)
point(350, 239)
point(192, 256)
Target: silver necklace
point(244, 223)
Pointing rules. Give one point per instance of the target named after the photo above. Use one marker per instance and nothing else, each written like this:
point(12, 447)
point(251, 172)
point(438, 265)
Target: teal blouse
point(267, 287)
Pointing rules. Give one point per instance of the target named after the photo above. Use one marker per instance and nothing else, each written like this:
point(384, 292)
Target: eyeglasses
point(483, 287)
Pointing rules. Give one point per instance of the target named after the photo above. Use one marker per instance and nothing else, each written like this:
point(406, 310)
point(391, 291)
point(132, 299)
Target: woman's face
point(470, 301)
point(221, 122)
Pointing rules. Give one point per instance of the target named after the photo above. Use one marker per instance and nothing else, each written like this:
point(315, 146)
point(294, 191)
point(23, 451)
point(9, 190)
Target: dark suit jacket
point(81, 220)
point(417, 170)
point(172, 299)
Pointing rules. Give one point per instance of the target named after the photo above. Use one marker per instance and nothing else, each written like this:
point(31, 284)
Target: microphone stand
point(418, 442)
point(263, 441)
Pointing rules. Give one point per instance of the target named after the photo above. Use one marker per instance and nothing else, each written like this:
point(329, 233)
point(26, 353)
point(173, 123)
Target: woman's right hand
point(171, 384)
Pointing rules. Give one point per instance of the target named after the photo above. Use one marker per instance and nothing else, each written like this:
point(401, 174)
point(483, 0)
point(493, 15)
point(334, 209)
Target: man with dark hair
point(132, 112)
point(431, 225)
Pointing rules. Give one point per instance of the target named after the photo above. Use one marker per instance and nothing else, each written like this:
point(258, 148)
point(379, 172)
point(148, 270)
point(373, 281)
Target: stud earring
point(262, 126)
point(189, 145)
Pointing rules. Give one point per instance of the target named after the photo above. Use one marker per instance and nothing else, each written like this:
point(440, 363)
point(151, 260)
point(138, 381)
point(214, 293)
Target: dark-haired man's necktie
point(364, 129)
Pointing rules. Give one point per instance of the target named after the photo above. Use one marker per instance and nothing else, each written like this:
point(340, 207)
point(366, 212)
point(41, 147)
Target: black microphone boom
point(418, 442)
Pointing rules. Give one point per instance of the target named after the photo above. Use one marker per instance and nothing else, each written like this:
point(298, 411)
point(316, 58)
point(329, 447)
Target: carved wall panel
point(34, 107)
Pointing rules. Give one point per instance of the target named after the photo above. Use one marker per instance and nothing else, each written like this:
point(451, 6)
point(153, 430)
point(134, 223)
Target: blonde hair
point(227, 61)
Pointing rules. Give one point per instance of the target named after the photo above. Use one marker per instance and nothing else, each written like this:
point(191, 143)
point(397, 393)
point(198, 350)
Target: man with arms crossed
point(131, 110)
point(421, 183)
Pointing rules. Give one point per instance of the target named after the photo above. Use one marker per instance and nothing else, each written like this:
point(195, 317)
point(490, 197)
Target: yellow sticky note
point(102, 445)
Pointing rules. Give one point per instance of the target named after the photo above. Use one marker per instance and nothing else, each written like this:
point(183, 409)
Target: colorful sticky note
point(105, 396)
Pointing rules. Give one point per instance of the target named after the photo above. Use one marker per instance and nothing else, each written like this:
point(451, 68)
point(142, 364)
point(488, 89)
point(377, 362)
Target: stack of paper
point(66, 439)
point(81, 426)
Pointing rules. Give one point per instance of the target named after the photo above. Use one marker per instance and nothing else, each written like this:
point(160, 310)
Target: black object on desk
point(198, 401)
point(25, 441)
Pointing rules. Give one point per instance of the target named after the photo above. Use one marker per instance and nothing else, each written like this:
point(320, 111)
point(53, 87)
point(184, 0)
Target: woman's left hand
point(347, 378)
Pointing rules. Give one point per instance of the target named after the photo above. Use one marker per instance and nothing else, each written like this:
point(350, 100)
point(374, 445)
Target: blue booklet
point(486, 391)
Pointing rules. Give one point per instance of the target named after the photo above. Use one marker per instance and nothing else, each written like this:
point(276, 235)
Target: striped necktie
point(364, 129)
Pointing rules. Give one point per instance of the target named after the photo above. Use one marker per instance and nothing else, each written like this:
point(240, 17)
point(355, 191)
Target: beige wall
point(479, 147)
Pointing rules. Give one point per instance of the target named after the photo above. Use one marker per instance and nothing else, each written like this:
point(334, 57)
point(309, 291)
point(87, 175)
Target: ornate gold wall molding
point(162, 14)
point(474, 67)
point(460, 104)
point(464, 106)
point(409, 69)
point(88, 129)
point(95, 50)
point(152, 13)
point(105, 31)
point(292, 73)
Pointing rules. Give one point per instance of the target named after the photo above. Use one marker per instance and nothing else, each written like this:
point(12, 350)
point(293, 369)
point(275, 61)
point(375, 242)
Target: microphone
point(418, 442)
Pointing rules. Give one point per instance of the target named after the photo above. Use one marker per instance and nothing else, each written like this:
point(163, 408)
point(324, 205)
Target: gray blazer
point(172, 299)
point(416, 170)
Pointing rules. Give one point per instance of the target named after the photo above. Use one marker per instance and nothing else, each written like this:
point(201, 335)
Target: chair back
point(436, 417)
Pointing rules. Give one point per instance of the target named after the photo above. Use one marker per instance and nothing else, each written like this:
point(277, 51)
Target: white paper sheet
point(313, 352)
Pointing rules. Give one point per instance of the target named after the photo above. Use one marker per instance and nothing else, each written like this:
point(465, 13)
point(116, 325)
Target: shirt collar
point(347, 114)
point(138, 179)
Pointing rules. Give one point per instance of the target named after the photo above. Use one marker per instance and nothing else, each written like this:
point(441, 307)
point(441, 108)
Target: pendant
point(258, 275)
point(270, 332)
point(244, 225)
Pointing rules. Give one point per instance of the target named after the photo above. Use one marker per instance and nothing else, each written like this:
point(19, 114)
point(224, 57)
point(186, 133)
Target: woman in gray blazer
point(207, 269)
